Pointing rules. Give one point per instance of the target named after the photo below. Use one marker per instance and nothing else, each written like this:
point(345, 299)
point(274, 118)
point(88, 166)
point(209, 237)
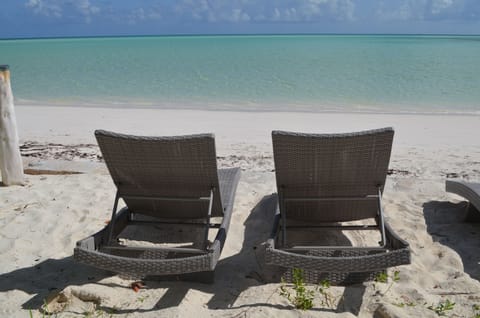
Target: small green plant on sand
point(476, 311)
point(404, 301)
point(328, 299)
point(403, 304)
point(442, 307)
point(142, 298)
point(383, 277)
point(44, 310)
point(302, 298)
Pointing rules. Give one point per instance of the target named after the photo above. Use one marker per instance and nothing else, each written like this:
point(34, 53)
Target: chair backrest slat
point(176, 167)
point(331, 165)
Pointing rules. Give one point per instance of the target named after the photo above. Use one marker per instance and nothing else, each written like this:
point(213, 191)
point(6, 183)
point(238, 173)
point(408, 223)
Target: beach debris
point(255, 162)
point(448, 293)
point(452, 175)
point(136, 286)
point(11, 166)
point(398, 172)
point(50, 172)
point(45, 151)
point(23, 207)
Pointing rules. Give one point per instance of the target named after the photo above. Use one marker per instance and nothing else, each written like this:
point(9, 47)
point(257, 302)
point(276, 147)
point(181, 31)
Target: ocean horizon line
point(237, 35)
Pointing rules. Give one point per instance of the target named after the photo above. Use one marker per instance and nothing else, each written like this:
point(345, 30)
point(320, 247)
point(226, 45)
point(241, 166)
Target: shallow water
point(288, 73)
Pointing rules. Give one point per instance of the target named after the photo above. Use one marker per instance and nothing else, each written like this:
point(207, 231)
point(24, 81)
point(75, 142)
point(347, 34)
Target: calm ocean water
point(291, 72)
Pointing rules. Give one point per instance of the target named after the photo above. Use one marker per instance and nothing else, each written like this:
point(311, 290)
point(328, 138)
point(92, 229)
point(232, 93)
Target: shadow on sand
point(59, 273)
point(456, 226)
point(233, 275)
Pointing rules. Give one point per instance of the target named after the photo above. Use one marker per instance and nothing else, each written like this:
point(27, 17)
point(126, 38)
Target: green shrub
point(302, 298)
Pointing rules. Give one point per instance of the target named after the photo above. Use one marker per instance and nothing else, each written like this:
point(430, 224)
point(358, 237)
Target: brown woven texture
point(179, 167)
point(129, 265)
point(182, 167)
point(333, 166)
point(339, 266)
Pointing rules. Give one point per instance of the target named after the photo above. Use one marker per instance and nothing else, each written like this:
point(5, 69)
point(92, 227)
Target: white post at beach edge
point(11, 165)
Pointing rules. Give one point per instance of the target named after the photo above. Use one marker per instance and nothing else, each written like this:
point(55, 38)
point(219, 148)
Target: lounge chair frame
point(380, 223)
point(206, 224)
point(340, 265)
point(471, 192)
point(102, 249)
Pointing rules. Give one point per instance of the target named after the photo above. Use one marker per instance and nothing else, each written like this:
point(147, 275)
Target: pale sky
point(51, 18)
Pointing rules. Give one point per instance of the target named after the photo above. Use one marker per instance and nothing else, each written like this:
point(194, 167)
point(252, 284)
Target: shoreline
point(250, 107)
point(77, 124)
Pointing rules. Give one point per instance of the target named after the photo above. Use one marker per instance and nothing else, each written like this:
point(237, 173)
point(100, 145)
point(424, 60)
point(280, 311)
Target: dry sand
point(41, 221)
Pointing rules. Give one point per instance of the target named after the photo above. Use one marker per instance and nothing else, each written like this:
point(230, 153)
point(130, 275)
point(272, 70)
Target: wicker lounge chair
point(471, 192)
point(323, 180)
point(173, 194)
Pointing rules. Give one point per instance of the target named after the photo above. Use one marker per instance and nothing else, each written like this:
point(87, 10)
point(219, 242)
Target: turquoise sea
point(379, 73)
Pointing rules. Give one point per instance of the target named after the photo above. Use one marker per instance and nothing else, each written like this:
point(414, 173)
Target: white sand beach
point(41, 221)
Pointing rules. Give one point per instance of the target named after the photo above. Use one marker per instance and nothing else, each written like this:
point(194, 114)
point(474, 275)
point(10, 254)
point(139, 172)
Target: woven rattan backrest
point(173, 167)
point(331, 166)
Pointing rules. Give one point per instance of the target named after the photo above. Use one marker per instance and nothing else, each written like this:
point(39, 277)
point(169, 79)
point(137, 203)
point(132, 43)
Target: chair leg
point(111, 225)
point(283, 214)
point(207, 226)
point(381, 221)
